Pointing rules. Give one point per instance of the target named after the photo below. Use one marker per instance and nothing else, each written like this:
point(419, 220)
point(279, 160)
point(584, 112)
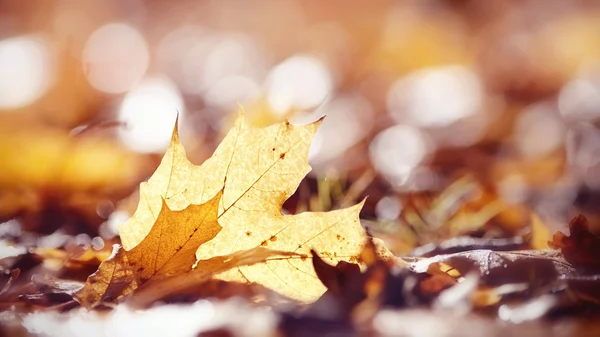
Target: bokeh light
point(539, 131)
point(579, 99)
point(204, 63)
point(388, 208)
point(300, 82)
point(26, 70)
point(348, 119)
point(230, 91)
point(583, 153)
point(397, 151)
point(435, 97)
point(115, 58)
point(149, 111)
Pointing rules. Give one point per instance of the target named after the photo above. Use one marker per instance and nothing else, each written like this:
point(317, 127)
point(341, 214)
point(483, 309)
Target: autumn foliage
point(191, 214)
point(411, 168)
point(196, 227)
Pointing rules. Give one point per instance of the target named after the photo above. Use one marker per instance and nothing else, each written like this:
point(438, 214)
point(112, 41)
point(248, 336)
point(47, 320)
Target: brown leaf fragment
point(535, 267)
point(56, 285)
point(374, 250)
point(438, 280)
point(346, 280)
point(352, 293)
point(465, 243)
point(68, 264)
point(51, 292)
point(345, 285)
point(581, 247)
point(114, 279)
point(585, 287)
point(335, 277)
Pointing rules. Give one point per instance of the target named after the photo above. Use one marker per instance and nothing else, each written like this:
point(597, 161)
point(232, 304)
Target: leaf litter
point(219, 226)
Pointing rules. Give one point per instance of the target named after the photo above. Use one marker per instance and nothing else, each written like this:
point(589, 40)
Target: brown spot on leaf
point(248, 233)
point(282, 155)
point(273, 238)
point(264, 243)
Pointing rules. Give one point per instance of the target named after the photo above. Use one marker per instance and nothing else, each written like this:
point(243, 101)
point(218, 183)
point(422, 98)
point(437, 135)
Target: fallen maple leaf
point(256, 169)
point(168, 249)
point(114, 279)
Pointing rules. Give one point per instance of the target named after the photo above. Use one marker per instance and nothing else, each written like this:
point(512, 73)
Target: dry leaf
point(114, 279)
point(441, 277)
point(257, 169)
point(466, 243)
point(536, 267)
point(169, 249)
point(580, 247)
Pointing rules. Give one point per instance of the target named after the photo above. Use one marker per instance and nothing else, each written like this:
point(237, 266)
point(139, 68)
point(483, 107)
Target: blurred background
point(454, 117)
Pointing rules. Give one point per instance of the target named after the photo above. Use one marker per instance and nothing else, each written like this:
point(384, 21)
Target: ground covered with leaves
point(453, 185)
point(208, 251)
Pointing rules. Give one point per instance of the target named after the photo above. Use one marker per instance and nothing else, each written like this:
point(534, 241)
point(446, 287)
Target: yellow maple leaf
point(256, 169)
